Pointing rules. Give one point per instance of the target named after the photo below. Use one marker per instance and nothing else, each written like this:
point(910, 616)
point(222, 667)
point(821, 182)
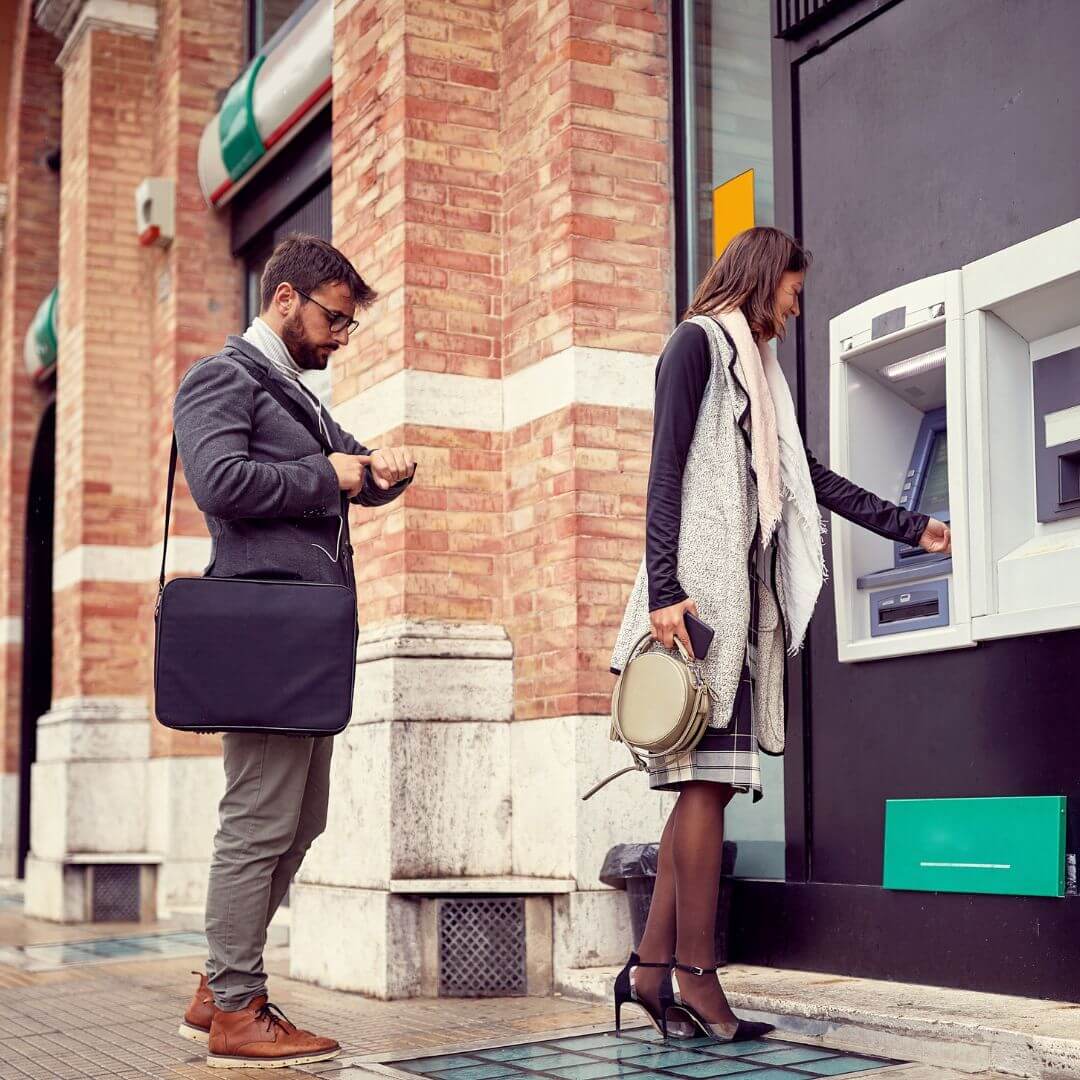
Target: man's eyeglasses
point(337, 320)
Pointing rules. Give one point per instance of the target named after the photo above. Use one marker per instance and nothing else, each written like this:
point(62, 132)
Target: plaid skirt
point(725, 755)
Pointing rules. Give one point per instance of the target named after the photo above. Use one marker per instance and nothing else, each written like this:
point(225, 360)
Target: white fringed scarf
point(787, 505)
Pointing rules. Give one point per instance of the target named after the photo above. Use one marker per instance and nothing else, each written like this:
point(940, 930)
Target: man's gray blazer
point(266, 487)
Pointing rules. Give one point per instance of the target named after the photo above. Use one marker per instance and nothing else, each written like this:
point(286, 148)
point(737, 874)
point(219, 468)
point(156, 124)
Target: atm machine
point(1022, 326)
point(897, 387)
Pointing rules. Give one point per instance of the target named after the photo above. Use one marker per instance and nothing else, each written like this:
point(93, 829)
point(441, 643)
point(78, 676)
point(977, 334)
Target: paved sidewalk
point(77, 1012)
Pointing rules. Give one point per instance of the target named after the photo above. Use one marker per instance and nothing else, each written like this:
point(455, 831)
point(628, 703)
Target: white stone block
point(183, 796)
point(626, 811)
point(554, 762)
point(94, 729)
point(433, 671)
point(182, 817)
point(9, 823)
point(451, 802)
point(87, 806)
point(181, 883)
point(414, 688)
point(592, 929)
point(54, 891)
point(415, 800)
point(545, 811)
point(365, 941)
point(355, 849)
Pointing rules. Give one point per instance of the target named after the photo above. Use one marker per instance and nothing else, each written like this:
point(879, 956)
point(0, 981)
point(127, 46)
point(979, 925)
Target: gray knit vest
point(718, 525)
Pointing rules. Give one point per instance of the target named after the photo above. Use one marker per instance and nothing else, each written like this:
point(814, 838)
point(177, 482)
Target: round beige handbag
point(659, 708)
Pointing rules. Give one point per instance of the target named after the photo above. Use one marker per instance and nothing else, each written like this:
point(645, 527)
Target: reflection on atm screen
point(934, 498)
point(926, 486)
point(903, 597)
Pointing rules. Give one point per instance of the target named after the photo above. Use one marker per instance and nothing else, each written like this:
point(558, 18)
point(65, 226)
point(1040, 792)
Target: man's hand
point(937, 538)
point(350, 471)
point(667, 625)
point(388, 467)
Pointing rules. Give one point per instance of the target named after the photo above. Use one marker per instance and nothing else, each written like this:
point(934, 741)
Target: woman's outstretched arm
point(864, 508)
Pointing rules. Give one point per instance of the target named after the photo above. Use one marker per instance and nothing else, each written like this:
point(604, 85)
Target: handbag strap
point(303, 417)
point(640, 760)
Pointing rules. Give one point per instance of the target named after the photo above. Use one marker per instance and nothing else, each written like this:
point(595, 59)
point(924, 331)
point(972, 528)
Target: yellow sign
point(733, 210)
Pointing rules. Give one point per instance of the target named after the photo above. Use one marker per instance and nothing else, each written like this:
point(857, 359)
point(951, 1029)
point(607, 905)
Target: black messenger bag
point(267, 655)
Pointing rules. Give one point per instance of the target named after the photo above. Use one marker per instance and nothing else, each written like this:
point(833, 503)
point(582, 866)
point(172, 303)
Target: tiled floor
point(638, 1055)
point(114, 1013)
point(46, 957)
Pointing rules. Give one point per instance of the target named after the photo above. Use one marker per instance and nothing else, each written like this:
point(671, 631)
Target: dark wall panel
point(998, 944)
point(930, 136)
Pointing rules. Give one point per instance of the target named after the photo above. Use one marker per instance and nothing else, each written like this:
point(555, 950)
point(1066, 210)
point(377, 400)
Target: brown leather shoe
point(261, 1037)
point(200, 1013)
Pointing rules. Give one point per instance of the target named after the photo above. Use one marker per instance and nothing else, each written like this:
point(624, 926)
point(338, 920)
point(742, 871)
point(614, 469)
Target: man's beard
point(302, 351)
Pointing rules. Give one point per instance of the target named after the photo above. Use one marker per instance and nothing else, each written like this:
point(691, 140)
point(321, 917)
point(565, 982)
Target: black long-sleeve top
point(681, 376)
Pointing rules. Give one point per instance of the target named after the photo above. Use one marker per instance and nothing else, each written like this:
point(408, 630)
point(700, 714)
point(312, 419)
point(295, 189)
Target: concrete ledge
point(500, 886)
point(958, 1029)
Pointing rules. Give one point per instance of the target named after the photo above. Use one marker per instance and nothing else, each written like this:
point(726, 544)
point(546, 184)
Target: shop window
point(722, 75)
point(726, 115)
point(266, 18)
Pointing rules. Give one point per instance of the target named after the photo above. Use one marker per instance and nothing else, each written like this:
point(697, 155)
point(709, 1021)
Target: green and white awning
point(278, 93)
point(39, 349)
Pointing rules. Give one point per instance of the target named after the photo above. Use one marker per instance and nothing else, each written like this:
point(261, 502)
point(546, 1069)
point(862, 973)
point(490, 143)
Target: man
point(272, 498)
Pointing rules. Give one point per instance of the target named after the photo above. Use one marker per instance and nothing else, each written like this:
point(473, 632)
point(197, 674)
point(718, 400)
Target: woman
point(733, 535)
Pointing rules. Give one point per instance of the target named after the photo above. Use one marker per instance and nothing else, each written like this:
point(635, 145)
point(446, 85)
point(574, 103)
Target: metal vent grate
point(794, 17)
point(482, 947)
point(115, 895)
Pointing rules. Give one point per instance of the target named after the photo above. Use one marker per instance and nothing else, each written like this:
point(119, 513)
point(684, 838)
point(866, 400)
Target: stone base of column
point(9, 824)
point(88, 804)
point(120, 887)
point(183, 793)
point(388, 945)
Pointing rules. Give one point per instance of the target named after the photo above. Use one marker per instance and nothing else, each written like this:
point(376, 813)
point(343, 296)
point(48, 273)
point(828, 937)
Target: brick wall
point(589, 267)
point(103, 482)
point(28, 270)
point(417, 179)
point(501, 175)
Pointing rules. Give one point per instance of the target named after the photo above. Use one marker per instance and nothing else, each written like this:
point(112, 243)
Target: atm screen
point(934, 497)
point(926, 489)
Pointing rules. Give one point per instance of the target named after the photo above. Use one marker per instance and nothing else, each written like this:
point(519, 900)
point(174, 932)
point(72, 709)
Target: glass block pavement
point(134, 947)
point(640, 1055)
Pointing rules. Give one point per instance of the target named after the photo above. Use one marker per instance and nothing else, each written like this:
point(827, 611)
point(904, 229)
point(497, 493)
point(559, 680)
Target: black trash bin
point(633, 867)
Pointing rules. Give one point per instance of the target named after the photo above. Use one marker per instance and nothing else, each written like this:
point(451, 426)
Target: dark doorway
point(37, 613)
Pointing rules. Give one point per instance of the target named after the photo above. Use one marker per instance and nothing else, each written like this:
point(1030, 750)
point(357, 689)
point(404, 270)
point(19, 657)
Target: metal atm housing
point(897, 428)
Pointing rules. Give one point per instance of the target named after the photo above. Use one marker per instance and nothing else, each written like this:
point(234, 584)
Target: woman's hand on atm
point(936, 538)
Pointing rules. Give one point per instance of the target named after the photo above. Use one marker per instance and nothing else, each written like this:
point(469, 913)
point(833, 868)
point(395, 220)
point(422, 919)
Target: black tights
point(682, 916)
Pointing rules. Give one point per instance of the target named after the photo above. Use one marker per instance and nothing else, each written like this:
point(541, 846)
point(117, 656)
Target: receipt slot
point(897, 388)
point(1022, 326)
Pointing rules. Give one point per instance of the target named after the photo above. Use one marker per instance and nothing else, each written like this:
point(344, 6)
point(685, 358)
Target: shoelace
point(273, 1016)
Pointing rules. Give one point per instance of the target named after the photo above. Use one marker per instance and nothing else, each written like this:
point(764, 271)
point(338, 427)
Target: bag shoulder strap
point(302, 416)
point(298, 413)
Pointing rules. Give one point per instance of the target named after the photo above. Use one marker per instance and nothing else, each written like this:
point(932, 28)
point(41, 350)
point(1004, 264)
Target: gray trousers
point(276, 794)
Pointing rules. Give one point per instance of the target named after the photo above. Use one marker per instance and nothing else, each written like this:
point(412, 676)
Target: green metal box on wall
point(1011, 846)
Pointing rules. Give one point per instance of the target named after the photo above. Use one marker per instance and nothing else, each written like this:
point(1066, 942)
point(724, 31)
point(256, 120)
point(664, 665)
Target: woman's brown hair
point(747, 275)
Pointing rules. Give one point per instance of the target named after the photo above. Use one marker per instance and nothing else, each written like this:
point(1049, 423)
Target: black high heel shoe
point(745, 1029)
point(626, 991)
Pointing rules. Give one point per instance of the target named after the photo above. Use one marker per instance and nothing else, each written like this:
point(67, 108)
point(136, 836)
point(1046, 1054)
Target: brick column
point(500, 175)
point(90, 788)
point(198, 291)
point(588, 304)
point(28, 270)
point(421, 777)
